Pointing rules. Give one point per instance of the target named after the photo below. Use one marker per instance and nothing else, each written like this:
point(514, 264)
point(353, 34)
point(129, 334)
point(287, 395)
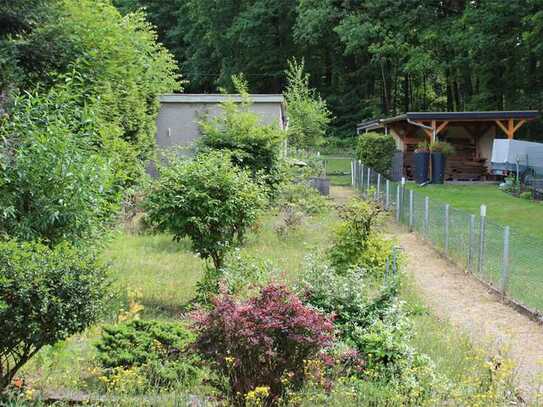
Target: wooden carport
point(465, 130)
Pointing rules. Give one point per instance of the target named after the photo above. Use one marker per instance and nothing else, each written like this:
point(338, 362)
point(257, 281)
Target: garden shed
point(179, 115)
point(472, 135)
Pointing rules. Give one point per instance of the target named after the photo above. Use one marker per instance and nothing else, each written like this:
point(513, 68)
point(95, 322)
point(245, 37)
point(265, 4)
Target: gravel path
point(467, 304)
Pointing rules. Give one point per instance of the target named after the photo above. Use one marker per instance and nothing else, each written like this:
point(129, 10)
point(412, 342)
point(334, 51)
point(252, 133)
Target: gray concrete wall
point(177, 123)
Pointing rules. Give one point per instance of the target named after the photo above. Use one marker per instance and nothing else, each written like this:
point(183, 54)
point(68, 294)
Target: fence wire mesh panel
point(507, 261)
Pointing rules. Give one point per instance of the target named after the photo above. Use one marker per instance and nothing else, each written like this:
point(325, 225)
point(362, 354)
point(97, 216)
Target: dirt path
point(459, 298)
point(467, 304)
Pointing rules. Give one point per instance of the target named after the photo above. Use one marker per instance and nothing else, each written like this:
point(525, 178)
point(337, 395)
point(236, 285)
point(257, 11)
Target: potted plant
point(440, 150)
point(422, 161)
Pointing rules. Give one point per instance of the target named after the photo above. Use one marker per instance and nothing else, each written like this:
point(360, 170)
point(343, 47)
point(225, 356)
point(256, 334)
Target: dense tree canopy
point(368, 57)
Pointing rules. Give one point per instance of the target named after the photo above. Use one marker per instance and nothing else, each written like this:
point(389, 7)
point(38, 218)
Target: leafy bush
point(46, 295)
point(251, 144)
point(353, 302)
point(207, 199)
point(308, 115)
point(259, 341)
point(243, 274)
point(376, 151)
point(355, 241)
point(161, 352)
point(110, 63)
point(54, 184)
point(304, 197)
point(370, 319)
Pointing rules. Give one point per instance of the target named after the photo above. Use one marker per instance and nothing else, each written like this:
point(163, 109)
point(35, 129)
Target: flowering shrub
point(258, 342)
point(356, 242)
point(348, 296)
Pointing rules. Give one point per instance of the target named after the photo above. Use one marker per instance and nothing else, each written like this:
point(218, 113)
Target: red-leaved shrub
point(261, 341)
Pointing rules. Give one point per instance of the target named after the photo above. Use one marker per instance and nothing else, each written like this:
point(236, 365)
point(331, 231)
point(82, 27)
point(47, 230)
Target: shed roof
point(218, 98)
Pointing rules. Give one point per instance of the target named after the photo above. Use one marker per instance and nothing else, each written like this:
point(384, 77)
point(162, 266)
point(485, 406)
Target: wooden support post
point(441, 127)
point(510, 128)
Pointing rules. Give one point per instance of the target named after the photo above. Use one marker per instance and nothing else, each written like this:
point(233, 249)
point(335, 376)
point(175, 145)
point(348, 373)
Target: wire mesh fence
point(507, 261)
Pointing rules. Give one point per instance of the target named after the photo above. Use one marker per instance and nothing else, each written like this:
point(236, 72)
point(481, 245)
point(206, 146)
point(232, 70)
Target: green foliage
point(46, 295)
point(366, 58)
point(356, 243)
point(54, 182)
point(370, 318)
point(376, 151)
point(526, 195)
point(207, 199)
point(160, 350)
point(244, 275)
point(349, 296)
point(442, 147)
point(108, 62)
point(423, 147)
point(251, 144)
point(308, 115)
point(303, 197)
point(302, 164)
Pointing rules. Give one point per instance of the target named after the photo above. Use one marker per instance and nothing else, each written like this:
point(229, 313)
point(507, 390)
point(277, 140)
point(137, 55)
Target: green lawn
point(522, 215)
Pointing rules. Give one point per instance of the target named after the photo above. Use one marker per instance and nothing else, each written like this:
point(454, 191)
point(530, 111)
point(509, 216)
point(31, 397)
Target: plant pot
point(422, 161)
point(321, 184)
point(438, 168)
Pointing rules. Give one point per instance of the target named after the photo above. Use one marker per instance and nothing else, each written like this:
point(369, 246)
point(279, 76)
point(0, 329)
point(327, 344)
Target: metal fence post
point(411, 208)
point(402, 198)
point(387, 194)
point(471, 242)
point(505, 261)
point(447, 208)
point(482, 240)
point(398, 203)
point(353, 171)
point(369, 183)
point(426, 216)
point(361, 182)
point(378, 187)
